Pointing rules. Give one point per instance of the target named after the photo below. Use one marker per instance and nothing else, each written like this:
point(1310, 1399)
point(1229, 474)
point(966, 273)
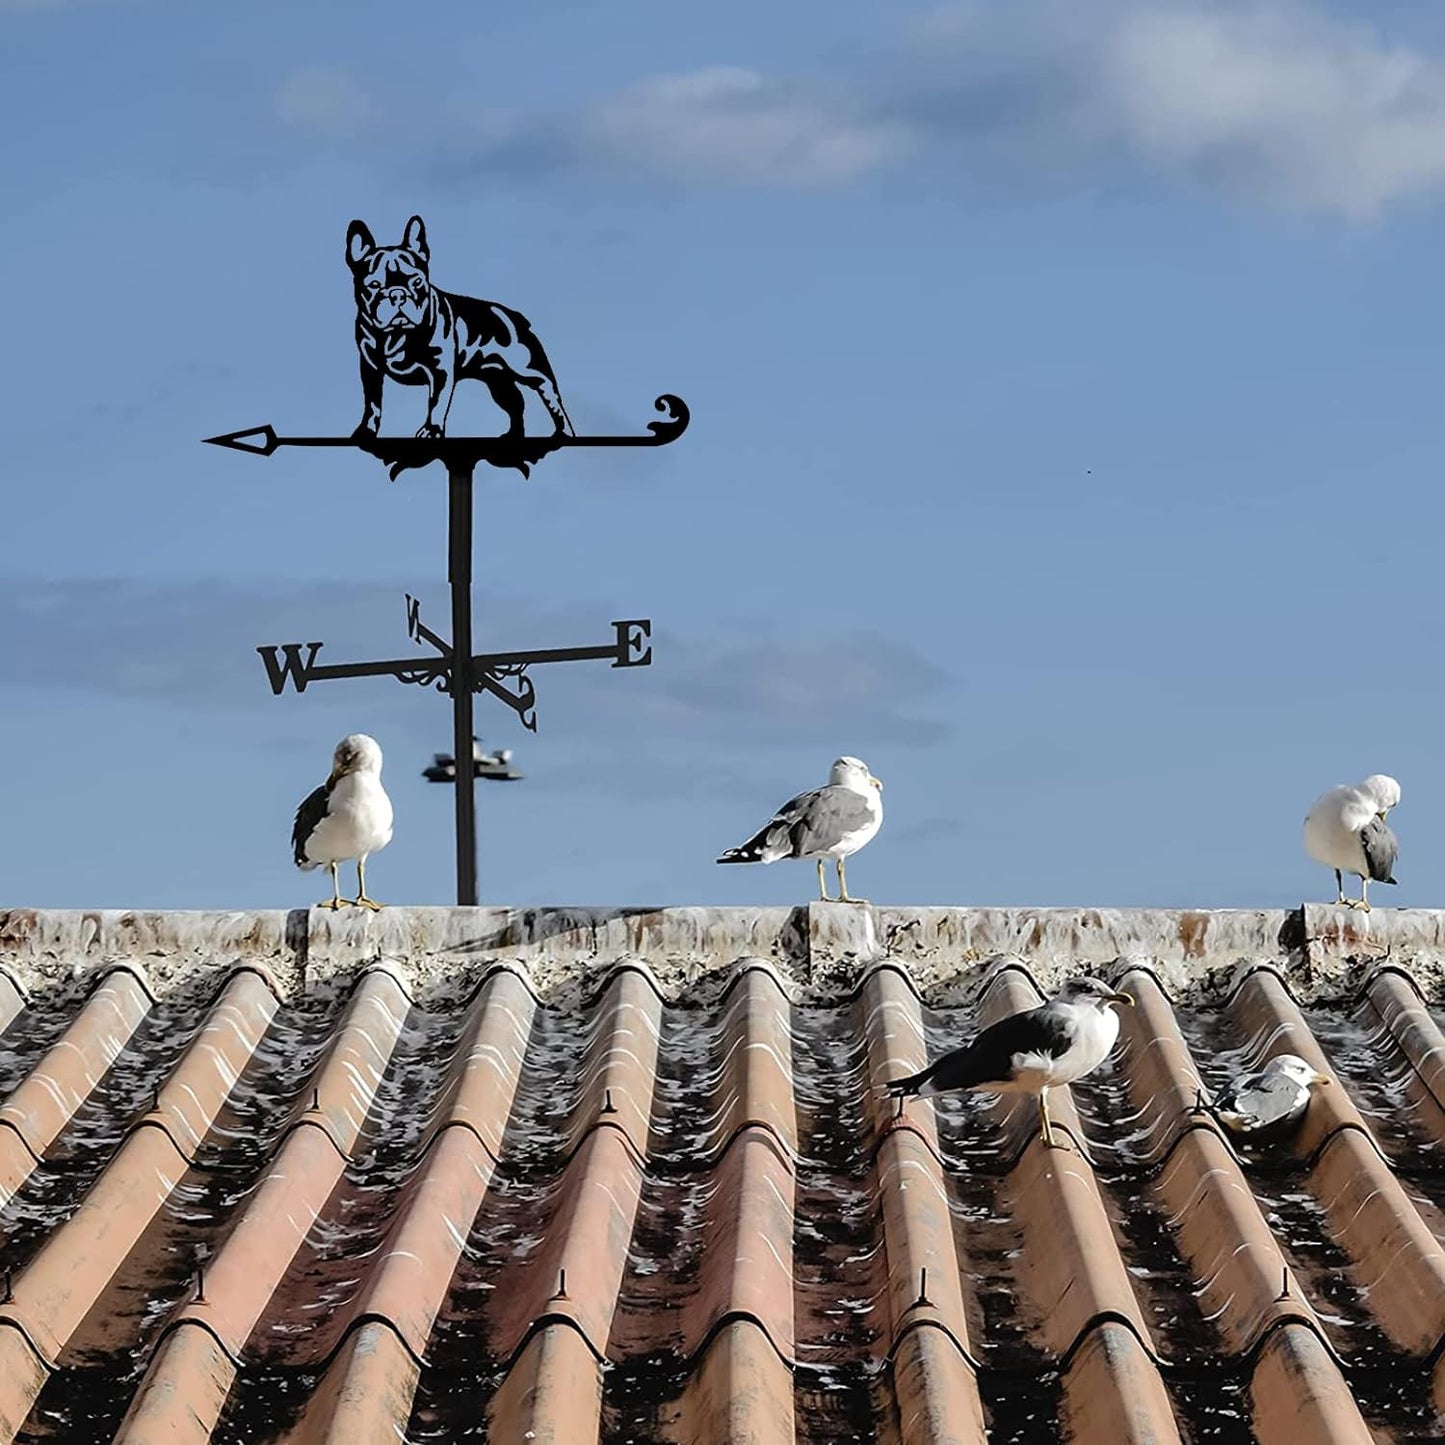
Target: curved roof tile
point(633, 1175)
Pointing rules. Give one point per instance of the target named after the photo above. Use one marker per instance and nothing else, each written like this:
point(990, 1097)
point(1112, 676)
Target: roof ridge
point(817, 953)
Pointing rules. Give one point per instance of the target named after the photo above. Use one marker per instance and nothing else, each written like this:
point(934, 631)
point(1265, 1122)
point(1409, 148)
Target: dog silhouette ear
point(414, 238)
point(359, 243)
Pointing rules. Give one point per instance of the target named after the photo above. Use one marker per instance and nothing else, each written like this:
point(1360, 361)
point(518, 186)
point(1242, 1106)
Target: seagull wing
point(1259, 1100)
point(308, 815)
point(994, 1055)
point(1381, 850)
point(832, 813)
point(812, 821)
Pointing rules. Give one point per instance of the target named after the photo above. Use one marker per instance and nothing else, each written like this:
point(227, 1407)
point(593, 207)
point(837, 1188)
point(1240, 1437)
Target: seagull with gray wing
point(348, 816)
point(1269, 1103)
point(1345, 830)
point(1031, 1052)
point(833, 821)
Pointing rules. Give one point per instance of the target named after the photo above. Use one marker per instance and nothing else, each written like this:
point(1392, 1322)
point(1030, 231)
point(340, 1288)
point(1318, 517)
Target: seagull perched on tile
point(1270, 1102)
point(349, 816)
point(833, 821)
point(1030, 1052)
point(1345, 830)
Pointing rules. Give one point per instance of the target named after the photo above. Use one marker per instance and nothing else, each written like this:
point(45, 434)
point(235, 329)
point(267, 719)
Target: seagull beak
point(1381, 814)
point(1322, 1080)
point(1122, 998)
point(876, 782)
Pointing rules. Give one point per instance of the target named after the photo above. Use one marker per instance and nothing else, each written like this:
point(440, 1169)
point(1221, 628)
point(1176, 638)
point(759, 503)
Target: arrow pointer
point(505, 450)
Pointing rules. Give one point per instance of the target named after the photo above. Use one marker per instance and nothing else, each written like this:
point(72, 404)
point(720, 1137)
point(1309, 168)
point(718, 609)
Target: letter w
point(293, 668)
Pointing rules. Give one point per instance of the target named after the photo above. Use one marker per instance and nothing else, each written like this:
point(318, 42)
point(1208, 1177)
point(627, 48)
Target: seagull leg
point(1045, 1128)
point(361, 899)
point(1340, 890)
point(843, 886)
point(822, 883)
point(336, 900)
point(1364, 904)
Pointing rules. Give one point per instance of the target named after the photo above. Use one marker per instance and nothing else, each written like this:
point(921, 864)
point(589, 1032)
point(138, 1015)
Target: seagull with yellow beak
point(348, 816)
point(833, 821)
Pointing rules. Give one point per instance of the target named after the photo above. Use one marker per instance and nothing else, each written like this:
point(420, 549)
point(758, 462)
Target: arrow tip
point(259, 440)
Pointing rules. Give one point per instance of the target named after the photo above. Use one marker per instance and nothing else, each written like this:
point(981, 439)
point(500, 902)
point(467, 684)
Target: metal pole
point(459, 574)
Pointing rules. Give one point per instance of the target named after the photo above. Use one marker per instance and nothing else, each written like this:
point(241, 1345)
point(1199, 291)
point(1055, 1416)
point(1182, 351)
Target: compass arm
point(523, 701)
point(416, 628)
point(630, 649)
point(295, 663)
point(285, 664)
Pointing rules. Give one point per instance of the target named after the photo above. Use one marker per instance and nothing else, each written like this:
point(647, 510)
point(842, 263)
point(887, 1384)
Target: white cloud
point(323, 100)
point(733, 125)
point(194, 644)
point(1270, 100)
point(1273, 102)
point(1289, 105)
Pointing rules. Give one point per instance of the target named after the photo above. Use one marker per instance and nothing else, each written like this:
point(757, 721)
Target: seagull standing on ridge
point(1030, 1052)
point(1345, 830)
point(833, 821)
point(349, 816)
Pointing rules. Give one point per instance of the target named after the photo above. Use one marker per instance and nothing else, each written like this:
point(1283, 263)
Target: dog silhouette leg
point(546, 388)
point(440, 386)
point(508, 395)
point(371, 384)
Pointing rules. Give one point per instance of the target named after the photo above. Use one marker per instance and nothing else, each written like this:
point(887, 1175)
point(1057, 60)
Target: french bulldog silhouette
point(416, 334)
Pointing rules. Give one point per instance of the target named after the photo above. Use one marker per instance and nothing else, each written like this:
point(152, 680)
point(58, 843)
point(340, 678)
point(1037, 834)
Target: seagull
point(1030, 1052)
point(349, 816)
point(833, 821)
point(1345, 830)
point(1269, 1102)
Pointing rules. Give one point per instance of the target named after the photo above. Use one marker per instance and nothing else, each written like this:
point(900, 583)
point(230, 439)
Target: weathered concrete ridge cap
point(817, 952)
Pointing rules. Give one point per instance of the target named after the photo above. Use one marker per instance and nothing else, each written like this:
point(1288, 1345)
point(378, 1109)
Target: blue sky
point(1066, 438)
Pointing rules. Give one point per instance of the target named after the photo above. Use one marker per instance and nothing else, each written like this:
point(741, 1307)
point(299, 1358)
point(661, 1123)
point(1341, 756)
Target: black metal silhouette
point(415, 333)
point(409, 330)
point(503, 674)
point(520, 452)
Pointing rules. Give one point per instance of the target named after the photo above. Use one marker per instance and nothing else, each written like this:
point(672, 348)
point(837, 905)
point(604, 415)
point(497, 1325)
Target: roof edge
point(817, 952)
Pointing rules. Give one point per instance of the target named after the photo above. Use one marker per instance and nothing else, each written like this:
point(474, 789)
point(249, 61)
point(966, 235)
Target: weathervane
point(419, 335)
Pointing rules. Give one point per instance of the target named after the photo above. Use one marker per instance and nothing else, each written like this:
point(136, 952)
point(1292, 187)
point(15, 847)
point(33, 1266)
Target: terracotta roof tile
point(34, 1115)
point(564, 1177)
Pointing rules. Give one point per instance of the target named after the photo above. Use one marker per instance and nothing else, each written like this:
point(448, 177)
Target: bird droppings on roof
point(310, 1178)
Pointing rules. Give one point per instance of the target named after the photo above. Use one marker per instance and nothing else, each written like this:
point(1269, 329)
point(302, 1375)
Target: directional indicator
point(412, 332)
point(260, 440)
point(521, 452)
point(503, 674)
